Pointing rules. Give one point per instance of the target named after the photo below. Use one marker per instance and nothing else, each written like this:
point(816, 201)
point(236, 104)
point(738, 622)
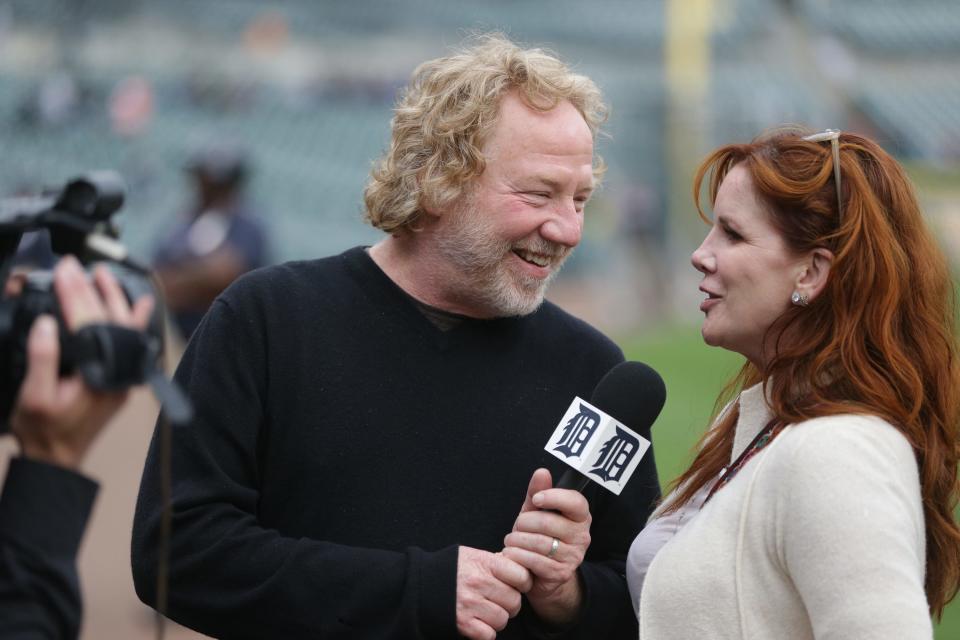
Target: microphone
point(598, 438)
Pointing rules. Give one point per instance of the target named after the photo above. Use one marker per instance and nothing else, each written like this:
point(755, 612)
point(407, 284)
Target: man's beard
point(471, 245)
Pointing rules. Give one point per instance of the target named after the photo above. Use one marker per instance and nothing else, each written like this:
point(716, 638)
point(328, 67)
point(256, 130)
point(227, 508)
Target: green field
point(694, 374)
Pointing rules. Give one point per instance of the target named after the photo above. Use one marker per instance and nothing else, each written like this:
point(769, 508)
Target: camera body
point(108, 357)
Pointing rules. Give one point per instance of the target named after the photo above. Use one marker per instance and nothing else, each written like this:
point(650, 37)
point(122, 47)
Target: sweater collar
point(755, 413)
point(391, 293)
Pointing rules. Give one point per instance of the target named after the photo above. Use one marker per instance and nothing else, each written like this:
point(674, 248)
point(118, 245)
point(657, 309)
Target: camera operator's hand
point(57, 419)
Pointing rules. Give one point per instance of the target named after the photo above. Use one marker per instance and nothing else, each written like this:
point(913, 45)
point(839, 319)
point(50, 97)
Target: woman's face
point(748, 271)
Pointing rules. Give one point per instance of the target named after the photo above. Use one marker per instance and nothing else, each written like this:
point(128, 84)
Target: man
point(46, 502)
point(367, 423)
point(218, 240)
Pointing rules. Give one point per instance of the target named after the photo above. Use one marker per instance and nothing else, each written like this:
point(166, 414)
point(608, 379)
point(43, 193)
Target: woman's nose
point(702, 259)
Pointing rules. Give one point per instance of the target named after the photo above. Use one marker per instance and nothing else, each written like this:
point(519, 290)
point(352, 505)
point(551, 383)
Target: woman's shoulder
point(846, 431)
point(839, 448)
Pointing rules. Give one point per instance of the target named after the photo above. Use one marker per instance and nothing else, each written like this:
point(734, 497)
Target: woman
point(820, 503)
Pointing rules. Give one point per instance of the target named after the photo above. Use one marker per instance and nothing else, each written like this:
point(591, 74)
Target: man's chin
point(510, 294)
point(531, 307)
point(522, 303)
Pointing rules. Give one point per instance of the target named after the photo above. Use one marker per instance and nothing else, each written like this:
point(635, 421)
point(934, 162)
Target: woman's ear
point(815, 273)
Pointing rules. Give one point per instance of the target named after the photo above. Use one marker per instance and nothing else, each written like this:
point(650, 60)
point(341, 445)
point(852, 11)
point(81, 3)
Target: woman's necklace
point(762, 439)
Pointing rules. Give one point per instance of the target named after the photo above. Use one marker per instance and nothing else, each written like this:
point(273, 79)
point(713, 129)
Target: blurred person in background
point(368, 422)
point(46, 501)
point(217, 240)
point(820, 502)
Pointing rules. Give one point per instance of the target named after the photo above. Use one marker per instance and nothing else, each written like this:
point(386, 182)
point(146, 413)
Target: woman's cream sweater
point(820, 535)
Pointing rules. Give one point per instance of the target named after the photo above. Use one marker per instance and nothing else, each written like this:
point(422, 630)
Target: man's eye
point(536, 198)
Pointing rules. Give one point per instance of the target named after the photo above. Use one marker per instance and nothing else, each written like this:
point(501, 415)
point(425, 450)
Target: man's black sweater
point(344, 447)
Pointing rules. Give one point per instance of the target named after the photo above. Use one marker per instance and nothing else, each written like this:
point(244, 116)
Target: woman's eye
point(730, 233)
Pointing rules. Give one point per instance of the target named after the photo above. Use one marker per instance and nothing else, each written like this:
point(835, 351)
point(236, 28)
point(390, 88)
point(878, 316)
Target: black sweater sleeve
point(43, 513)
point(229, 576)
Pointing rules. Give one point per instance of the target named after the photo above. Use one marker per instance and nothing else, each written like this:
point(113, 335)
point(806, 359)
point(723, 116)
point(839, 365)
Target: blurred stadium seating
point(313, 133)
point(890, 27)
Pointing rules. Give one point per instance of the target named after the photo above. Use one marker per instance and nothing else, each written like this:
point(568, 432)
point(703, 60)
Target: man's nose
point(565, 225)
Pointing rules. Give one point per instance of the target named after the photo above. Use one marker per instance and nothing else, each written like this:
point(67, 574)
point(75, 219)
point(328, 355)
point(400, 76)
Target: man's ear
point(437, 207)
point(429, 207)
point(815, 273)
point(434, 209)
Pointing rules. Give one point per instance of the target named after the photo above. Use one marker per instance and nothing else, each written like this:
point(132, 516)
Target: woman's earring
point(799, 299)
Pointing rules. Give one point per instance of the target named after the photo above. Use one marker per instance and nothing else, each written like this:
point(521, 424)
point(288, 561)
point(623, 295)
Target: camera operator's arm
point(45, 502)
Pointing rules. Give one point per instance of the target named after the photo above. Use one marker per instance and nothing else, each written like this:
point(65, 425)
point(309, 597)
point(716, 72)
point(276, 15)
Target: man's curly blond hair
point(449, 110)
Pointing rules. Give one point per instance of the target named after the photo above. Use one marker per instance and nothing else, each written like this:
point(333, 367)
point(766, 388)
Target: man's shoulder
point(551, 316)
point(314, 270)
point(552, 322)
point(292, 280)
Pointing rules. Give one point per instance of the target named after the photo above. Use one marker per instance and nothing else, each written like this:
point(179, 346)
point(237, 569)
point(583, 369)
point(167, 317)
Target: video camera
point(109, 357)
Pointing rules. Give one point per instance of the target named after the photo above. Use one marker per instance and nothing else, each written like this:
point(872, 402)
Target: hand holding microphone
point(552, 533)
point(550, 538)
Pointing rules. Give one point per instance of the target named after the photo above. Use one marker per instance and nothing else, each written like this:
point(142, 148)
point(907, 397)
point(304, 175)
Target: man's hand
point(57, 419)
point(551, 514)
point(488, 592)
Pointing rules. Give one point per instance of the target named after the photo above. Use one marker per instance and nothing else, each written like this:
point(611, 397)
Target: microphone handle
point(572, 479)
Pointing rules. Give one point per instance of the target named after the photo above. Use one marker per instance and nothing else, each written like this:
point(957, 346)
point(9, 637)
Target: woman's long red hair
point(880, 337)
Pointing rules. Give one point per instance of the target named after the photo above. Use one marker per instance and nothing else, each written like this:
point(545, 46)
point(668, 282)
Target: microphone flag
point(596, 445)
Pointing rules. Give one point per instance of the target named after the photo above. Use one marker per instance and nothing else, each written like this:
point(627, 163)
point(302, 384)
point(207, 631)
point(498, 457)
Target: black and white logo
point(578, 431)
point(615, 456)
point(596, 445)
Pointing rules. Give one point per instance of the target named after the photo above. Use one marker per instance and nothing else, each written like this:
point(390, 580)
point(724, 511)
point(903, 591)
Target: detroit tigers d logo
point(577, 432)
point(615, 456)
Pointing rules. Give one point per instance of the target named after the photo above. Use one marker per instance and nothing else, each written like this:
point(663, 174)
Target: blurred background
point(289, 103)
